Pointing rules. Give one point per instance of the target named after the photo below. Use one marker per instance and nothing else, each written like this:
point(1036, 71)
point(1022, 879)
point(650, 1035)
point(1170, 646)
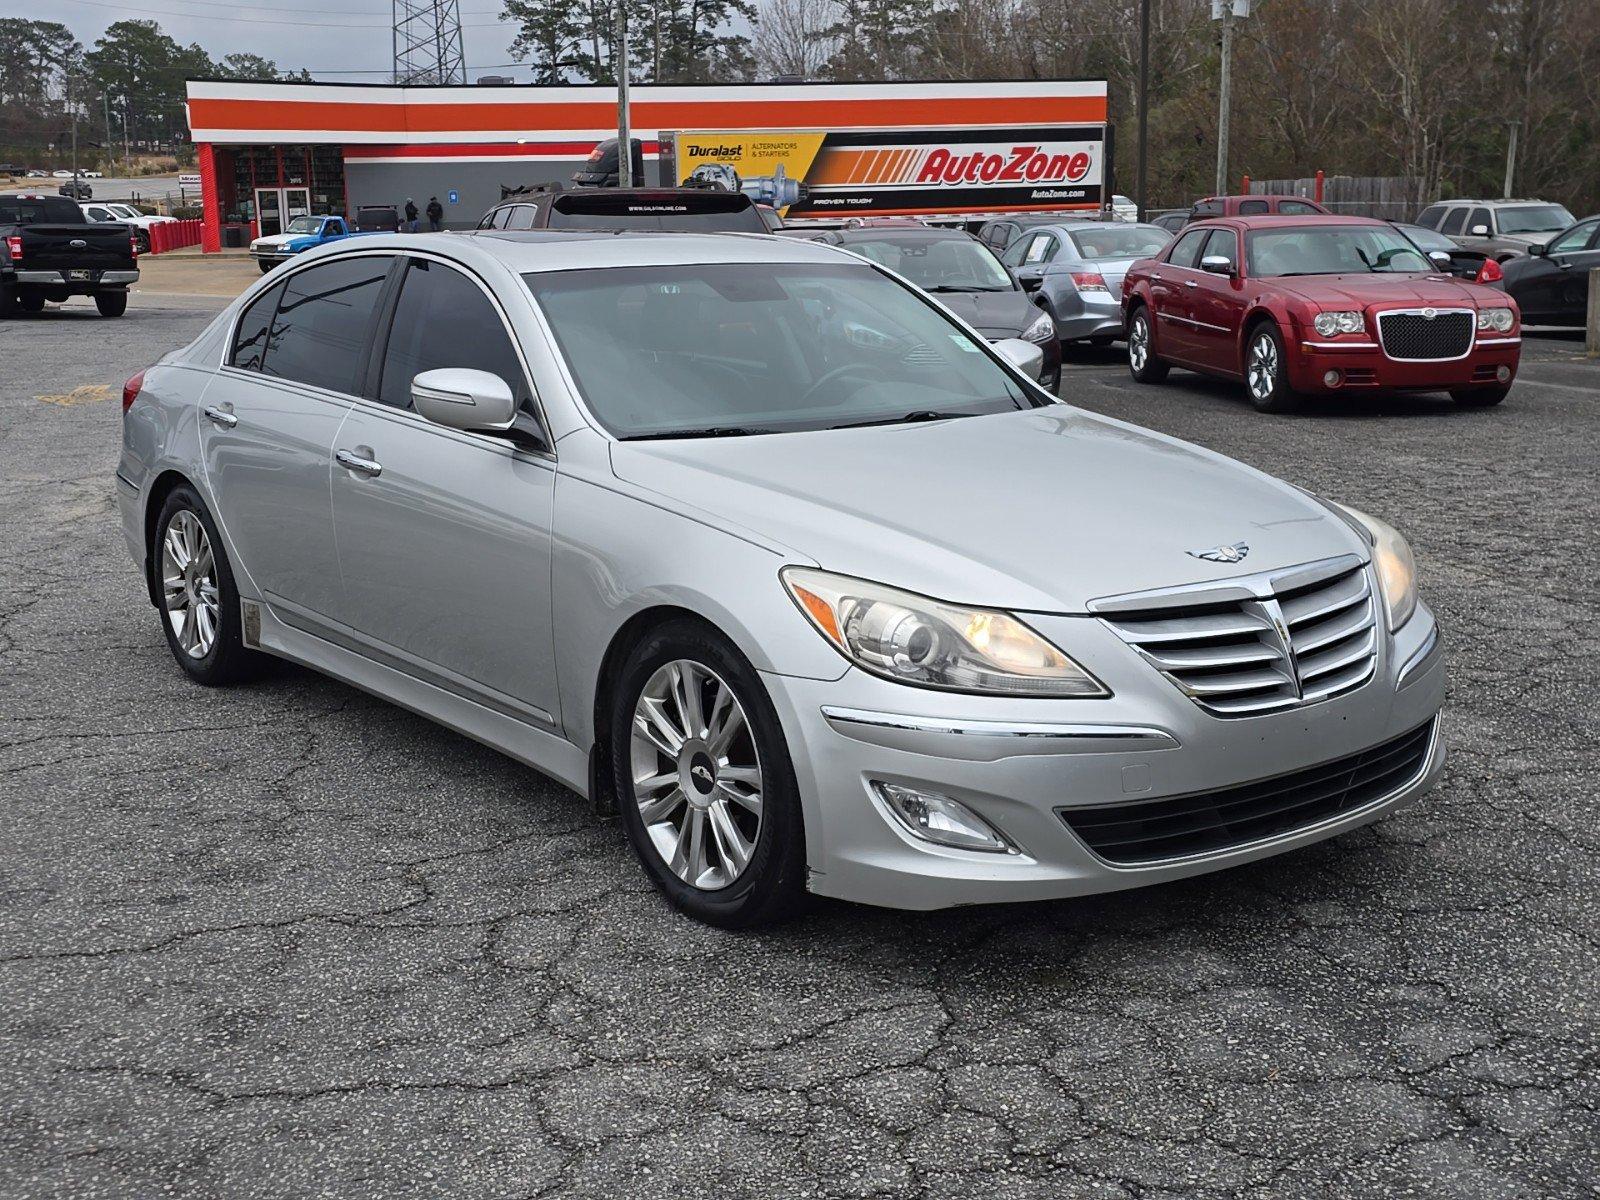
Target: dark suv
point(687, 210)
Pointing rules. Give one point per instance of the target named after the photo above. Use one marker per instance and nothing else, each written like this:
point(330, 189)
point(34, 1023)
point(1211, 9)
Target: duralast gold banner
point(913, 171)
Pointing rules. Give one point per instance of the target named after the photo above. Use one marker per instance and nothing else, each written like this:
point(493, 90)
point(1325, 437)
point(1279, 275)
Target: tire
point(694, 785)
point(224, 658)
point(1143, 364)
point(1265, 379)
point(8, 300)
point(31, 302)
point(1102, 340)
point(266, 266)
point(1480, 397)
point(111, 304)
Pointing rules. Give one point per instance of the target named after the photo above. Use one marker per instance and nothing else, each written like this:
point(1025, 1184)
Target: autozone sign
point(834, 173)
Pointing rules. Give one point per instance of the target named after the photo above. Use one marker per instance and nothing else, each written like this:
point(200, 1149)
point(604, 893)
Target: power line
point(301, 24)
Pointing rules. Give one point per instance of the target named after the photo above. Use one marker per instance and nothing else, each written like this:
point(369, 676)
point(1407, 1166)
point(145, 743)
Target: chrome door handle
point(1190, 283)
point(220, 416)
point(354, 461)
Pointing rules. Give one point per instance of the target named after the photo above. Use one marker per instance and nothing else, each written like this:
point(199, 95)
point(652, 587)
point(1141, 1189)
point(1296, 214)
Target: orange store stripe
point(331, 117)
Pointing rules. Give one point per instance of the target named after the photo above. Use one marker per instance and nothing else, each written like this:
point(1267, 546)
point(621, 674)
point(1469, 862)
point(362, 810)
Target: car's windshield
point(1534, 218)
point(1332, 250)
point(1127, 241)
point(304, 225)
point(951, 264)
point(1427, 239)
point(124, 210)
point(764, 348)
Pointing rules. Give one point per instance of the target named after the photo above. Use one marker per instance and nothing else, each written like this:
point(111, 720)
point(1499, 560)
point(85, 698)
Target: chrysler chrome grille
point(1426, 334)
point(1261, 643)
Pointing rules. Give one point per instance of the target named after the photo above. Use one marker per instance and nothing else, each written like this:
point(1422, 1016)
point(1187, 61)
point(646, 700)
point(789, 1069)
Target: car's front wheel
point(197, 597)
point(1142, 361)
point(703, 779)
point(1264, 372)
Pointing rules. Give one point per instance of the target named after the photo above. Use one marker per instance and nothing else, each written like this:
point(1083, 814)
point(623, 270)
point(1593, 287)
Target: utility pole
point(111, 147)
point(619, 60)
point(1224, 11)
point(1144, 104)
point(1511, 159)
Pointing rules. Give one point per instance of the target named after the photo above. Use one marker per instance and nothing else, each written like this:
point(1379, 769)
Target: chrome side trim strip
point(998, 729)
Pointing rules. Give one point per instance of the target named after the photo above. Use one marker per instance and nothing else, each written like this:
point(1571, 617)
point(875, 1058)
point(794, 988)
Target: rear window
point(697, 212)
point(39, 210)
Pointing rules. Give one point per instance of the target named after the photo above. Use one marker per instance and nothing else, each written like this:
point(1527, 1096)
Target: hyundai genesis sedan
point(760, 546)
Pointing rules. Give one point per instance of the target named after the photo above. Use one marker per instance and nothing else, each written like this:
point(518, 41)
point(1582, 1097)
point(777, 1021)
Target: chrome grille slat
point(1260, 644)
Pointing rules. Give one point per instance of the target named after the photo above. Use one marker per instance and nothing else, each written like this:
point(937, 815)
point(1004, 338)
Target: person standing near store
point(411, 215)
point(435, 214)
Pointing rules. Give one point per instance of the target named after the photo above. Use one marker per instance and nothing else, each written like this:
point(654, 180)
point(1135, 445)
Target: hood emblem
point(1222, 554)
point(1429, 314)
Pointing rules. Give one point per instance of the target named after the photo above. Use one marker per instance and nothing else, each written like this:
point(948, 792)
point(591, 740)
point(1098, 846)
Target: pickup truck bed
point(48, 252)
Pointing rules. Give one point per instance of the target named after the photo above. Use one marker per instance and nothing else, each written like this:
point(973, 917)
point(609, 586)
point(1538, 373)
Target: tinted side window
point(1186, 250)
point(1454, 220)
point(1298, 207)
point(1575, 238)
point(324, 322)
point(521, 217)
point(1206, 208)
point(1246, 207)
point(1224, 242)
point(1428, 218)
point(1480, 216)
point(443, 319)
point(250, 339)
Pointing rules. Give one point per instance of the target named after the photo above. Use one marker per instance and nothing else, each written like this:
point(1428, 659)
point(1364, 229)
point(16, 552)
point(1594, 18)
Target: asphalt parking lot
point(288, 940)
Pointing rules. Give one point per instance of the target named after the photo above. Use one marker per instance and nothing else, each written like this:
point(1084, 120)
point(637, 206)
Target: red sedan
point(1316, 305)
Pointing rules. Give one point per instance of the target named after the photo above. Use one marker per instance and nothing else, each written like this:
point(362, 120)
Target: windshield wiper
point(921, 414)
point(710, 431)
point(965, 287)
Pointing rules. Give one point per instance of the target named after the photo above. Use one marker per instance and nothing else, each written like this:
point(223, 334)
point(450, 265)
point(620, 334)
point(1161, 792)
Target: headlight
point(927, 643)
point(1397, 569)
point(1498, 319)
point(1331, 323)
point(1042, 330)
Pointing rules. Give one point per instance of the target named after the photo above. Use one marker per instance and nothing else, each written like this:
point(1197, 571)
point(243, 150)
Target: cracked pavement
point(288, 940)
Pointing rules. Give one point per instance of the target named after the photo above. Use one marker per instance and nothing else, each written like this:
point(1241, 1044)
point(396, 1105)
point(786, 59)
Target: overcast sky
point(337, 40)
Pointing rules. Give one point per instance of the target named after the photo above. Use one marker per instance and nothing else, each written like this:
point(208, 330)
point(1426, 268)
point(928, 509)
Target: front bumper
point(1362, 365)
point(1019, 763)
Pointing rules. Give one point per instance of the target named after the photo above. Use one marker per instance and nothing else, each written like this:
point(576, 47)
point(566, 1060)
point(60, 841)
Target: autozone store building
point(271, 151)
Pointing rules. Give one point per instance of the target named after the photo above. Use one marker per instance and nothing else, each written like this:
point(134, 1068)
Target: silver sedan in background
point(755, 542)
point(1077, 270)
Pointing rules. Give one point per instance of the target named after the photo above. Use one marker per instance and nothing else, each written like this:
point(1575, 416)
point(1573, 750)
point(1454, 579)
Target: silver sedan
point(751, 540)
point(1077, 271)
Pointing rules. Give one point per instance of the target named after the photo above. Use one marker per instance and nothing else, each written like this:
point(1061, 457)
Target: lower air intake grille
point(1149, 831)
point(1412, 335)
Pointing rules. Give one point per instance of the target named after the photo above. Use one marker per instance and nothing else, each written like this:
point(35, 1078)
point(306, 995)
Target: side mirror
point(464, 398)
point(1480, 231)
point(1031, 282)
point(1217, 264)
point(1441, 257)
point(1025, 356)
point(1541, 250)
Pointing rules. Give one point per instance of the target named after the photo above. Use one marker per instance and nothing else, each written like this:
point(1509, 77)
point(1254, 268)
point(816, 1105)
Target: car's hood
point(1527, 239)
point(284, 241)
point(1041, 511)
point(1377, 289)
point(993, 314)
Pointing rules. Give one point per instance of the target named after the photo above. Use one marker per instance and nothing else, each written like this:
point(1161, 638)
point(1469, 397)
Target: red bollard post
point(156, 233)
point(1244, 187)
point(1318, 196)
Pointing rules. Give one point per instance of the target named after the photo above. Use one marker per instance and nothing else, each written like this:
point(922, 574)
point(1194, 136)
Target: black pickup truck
point(48, 252)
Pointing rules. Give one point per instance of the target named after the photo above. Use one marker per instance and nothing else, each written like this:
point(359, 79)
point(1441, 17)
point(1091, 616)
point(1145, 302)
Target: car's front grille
point(1142, 832)
point(1276, 642)
point(1413, 334)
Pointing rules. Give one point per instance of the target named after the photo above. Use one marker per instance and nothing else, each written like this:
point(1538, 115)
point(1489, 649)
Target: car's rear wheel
point(198, 600)
point(8, 300)
point(31, 302)
point(703, 779)
point(1479, 397)
point(1265, 376)
point(111, 304)
point(1143, 364)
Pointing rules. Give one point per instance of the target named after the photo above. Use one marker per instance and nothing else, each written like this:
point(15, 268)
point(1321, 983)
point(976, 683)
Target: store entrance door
point(276, 207)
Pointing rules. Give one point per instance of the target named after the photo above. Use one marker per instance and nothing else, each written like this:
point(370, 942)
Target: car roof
point(878, 233)
point(1281, 221)
point(576, 249)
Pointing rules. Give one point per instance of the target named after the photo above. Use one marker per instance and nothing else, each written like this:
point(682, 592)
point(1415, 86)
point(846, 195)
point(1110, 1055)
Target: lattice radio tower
point(427, 42)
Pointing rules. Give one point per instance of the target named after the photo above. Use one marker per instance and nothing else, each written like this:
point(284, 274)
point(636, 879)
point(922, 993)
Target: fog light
point(1502, 373)
point(1332, 378)
point(941, 820)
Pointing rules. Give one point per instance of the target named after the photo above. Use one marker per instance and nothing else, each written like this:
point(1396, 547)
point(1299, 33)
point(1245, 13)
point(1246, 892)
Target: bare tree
point(793, 37)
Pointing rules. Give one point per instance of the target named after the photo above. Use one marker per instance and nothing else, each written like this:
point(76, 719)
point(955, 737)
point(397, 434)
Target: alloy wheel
point(1139, 343)
point(1263, 370)
point(696, 774)
point(189, 591)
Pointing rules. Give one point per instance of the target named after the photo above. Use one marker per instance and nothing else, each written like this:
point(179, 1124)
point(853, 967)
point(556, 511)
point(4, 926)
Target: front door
point(444, 536)
point(1172, 284)
point(1217, 304)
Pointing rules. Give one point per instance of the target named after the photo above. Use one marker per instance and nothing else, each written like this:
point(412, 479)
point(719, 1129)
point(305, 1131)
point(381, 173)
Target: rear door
point(268, 419)
point(445, 547)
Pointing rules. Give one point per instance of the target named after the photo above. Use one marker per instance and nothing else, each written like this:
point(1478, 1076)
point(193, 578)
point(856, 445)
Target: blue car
point(303, 233)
